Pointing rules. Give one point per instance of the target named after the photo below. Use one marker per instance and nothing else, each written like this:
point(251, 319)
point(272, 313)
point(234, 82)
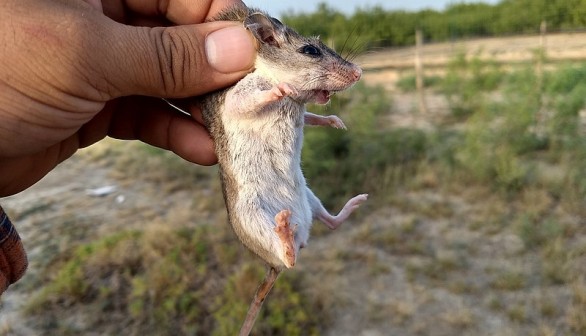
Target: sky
point(278, 7)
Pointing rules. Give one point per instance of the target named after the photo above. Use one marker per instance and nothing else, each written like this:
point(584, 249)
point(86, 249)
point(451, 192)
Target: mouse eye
point(310, 50)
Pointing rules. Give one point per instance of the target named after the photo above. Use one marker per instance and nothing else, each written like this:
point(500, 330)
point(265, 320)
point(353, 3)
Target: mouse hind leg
point(332, 222)
point(286, 234)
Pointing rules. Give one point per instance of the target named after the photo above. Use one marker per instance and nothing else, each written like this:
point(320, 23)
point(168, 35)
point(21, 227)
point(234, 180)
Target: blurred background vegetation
point(377, 27)
point(475, 223)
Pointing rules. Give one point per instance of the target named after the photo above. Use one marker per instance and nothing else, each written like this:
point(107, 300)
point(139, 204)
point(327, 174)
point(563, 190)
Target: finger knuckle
point(175, 56)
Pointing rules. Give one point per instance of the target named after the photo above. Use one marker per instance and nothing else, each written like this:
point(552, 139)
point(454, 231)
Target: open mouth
point(322, 96)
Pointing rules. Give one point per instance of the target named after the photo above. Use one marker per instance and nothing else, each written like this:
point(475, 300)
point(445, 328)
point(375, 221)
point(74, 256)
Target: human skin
point(73, 72)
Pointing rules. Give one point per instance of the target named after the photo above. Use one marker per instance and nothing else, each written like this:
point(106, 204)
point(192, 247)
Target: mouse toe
point(286, 234)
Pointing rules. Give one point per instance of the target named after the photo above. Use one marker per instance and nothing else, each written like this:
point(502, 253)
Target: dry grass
point(505, 50)
point(509, 281)
point(459, 318)
point(576, 314)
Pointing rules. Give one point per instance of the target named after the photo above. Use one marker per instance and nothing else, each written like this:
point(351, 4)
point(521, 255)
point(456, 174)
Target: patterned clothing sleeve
point(13, 261)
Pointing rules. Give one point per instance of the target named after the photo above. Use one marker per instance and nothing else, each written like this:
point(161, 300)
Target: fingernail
point(230, 49)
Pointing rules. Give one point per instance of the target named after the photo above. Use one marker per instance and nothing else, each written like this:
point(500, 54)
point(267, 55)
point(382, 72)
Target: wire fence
point(553, 46)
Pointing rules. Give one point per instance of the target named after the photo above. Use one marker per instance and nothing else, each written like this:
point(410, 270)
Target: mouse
point(257, 128)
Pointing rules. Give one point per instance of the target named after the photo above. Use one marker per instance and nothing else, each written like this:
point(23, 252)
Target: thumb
point(178, 61)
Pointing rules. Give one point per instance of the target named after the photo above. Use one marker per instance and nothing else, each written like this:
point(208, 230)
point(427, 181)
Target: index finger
point(181, 11)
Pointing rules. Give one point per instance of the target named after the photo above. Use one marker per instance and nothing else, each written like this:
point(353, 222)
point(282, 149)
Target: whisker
point(348, 38)
point(356, 50)
point(352, 51)
point(313, 80)
point(176, 107)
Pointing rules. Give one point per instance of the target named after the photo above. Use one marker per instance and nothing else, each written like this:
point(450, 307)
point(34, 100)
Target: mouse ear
point(266, 30)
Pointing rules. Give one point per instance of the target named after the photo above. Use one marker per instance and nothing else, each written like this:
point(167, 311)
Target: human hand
point(73, 72)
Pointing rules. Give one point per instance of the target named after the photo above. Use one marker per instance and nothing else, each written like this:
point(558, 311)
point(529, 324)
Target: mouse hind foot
point(333, 222)
point(286, 234)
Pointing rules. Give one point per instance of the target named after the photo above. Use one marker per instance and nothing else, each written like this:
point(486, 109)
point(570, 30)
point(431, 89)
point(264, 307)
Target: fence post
point(541, 54)
point(543, 31)
point(419, 71)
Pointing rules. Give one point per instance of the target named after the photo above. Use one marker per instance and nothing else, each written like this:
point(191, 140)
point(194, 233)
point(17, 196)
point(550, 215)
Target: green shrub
point(282, 314)
point(566, 79)
point(163, 281)
point(367, 158)
point(408, 83)
point(490, 154)
point(466, 83)
point(564, 126)
point(501, 136)
point(536, 232)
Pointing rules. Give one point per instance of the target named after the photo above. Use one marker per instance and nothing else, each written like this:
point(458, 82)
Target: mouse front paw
point(335, 122)
point(318, 120)
point(281, 91)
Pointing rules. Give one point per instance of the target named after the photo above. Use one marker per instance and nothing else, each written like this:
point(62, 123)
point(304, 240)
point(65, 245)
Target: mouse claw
point(287, 89)
point(286, 235)
point(282, 90)
point(318, 120)
point(336, 122)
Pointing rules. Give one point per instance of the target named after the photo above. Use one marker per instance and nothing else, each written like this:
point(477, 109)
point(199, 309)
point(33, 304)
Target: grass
point(517, 313)
point(405, 238)
point(576, 317)
point(509, 281)
point(556, 257)
point(366, 158)
point(161, 281)
point(150, 164)
point(408, 83)
point(460, 318)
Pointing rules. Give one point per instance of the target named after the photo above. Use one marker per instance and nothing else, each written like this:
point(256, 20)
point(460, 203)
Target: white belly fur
point(269, 177)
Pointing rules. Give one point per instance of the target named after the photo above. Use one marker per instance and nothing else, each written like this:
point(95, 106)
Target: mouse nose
point(356, 73)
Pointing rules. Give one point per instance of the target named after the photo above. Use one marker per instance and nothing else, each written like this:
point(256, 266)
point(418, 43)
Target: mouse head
point(306, 63)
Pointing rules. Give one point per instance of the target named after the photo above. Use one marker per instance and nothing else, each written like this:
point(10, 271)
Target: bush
point(282, 314)
point(168, 282)
point(367, 158)
point(467, 82)
point(408, 83)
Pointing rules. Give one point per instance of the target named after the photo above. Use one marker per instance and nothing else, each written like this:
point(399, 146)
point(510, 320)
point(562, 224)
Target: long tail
point(259, 298)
